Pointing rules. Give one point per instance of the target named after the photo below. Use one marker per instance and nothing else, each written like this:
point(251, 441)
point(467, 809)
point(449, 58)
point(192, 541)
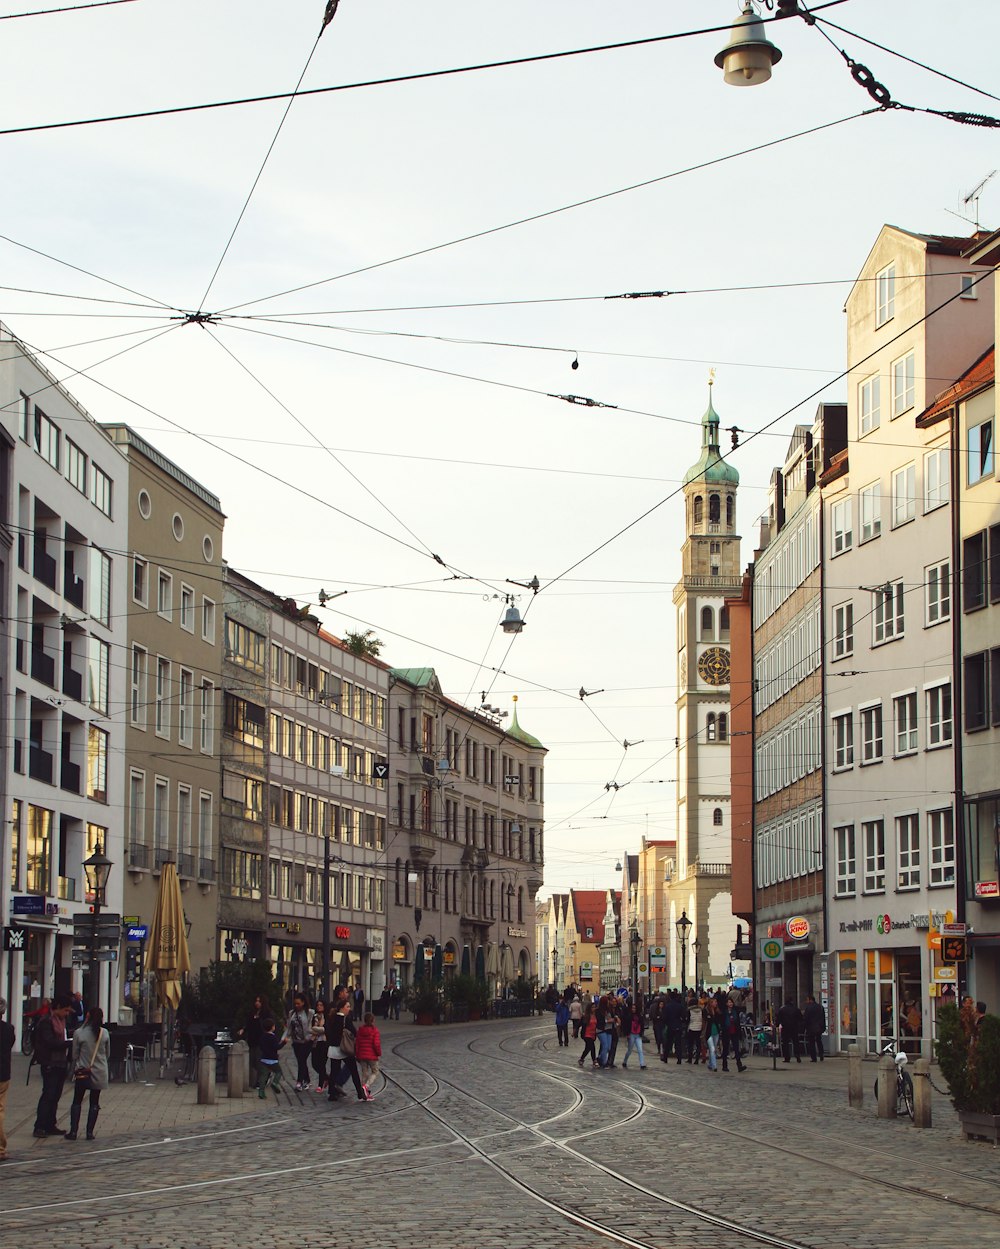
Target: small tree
point(223, 993)
point(365, 645)
point(969, 1056)
point(468, 991)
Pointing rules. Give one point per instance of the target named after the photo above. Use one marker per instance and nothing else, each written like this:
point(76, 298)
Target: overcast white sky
point(499, 482)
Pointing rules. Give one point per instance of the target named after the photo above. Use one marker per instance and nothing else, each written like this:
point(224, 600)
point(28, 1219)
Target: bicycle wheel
point(905, 1094)
point(26, 1041)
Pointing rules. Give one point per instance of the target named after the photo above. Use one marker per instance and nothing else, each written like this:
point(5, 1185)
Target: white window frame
point(100, 489)
point(986, 462)
point(843, 740)
point(162, 695)
point(937, 478)
point(206, 716)
point(869, 405)
point(164, 583)
point(872, 724)
point(76, 466)
point(967, 288)
point(846, 849)
point(904, 495)
point(186, 609)
point(206, 806)
point(873, 850)
point(185, 706)
point(139, 686)
point(888, 620)
point(843, 629)
point(941, 848)
point(208, 620)
point(869, 512)
point(907, 851)
point(139, 563)
point(940, 728)
point(885, 295)
point(841, 527)
point(903, 384)
point(937, 593)
point(904, 723)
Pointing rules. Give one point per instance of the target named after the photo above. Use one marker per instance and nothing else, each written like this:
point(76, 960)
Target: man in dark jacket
point(790, 1022)
point(6, 1049)
point(673, 1012)
point(51, 1049)
point(814, 1021)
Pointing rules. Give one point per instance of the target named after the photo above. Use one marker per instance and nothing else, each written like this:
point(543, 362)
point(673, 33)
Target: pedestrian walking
point(298, 1030)
point(269, 1067)
point(7, 1039)
point(814, 1024)
point(576, 1015)
point(317, 1055)
point(562, 1023)
point(359, 1001)
point(367, 1052)
point(635, 1041)
point(589, 1036)
point(91, 1051)
point(341, 1034)
point(396, 1001)
point(790, 1023)
point(693, 1037)
point(51, 1052)
point(712, 1033)
point(252, 1031)
point(729, 1026)
point(602, 1014)
point(614, 1018)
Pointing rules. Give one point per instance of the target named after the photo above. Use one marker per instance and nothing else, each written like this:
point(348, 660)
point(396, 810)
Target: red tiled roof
point(589, 906)
point(978, 375)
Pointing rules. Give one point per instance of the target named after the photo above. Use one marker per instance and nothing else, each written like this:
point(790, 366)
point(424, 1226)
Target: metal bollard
point(855, 1089)
point(235, 1081)
point(922, 1093)
point(206, 1076)
point(886, 1087)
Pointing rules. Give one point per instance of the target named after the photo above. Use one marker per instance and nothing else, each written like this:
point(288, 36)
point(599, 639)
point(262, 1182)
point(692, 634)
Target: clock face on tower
point(713, 666)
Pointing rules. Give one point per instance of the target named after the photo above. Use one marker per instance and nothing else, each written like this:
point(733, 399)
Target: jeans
point(694, 1046)
point(268, 1073)
point(634, 1043)
point(301, 1050)
point(4, 1086)
point(712, 1043)
point(53, 1079)
point(318, 1058)
point(605, 1042)
point(562, 1032)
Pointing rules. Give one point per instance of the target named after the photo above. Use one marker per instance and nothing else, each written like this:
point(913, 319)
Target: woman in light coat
point(91, 1050)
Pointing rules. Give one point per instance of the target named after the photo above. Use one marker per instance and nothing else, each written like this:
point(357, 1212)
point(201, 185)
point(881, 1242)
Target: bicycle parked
point(904, 1081)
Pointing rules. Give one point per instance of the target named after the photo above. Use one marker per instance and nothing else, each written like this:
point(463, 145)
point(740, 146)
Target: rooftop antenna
point(973, 199)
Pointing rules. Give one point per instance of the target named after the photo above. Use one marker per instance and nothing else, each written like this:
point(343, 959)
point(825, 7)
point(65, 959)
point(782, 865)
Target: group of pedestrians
point(338, 1039)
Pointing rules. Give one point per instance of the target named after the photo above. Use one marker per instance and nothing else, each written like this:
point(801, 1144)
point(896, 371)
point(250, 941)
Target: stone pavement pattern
point(776, 1150)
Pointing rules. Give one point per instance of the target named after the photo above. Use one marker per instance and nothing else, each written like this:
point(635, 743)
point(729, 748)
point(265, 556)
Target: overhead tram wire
point(66, 8)
point(382, 82)
point(322, 446)
point(552, 212)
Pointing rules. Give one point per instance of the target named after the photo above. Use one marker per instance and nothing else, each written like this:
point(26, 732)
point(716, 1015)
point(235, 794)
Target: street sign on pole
point(772, 949)
point(953, 949)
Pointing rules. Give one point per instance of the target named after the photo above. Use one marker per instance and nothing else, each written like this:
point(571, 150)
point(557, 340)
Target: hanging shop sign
point(946, 975)
point(798, 928)
point(342, 932)
point(398, 952)
point(988, 888)
point(448, 958)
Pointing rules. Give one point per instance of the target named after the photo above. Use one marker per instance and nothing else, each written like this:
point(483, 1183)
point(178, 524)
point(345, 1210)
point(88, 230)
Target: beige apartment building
point(174, 662)
point(646, 879)
point(914, 320)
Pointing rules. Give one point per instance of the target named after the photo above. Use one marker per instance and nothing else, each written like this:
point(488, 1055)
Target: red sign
point(342, 932)
point(777, 930)
point(988, 888)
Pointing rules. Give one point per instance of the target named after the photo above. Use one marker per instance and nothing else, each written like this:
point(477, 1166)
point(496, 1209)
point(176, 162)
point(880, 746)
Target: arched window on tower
point(710, 727)
point(717, 817)
point(724, 620)
point(707, 624)
point(730, 511)
point(714, 508)
point(723, 726)
point(698, 508)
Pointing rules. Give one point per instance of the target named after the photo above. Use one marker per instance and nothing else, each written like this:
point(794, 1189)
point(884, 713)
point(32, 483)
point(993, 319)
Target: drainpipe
point(956, 673)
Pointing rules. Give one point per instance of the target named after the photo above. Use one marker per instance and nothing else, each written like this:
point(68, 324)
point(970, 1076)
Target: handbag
point(347, 1043)
point(84, 1073)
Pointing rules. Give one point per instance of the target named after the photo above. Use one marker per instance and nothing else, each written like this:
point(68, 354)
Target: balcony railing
point(44, 567)
point(161, 855)
point(72, 683)
point(707, 869)
point(39, 764)
point(186, 865)
point(73, 588)
point(69, 776)
point(19, 655)
point(206, 869)
point(138, 854)
point(43, 667)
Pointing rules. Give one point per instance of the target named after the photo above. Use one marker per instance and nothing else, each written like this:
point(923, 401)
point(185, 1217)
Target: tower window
point(723, 726)
point(730, 511)
point(699, 504)
point(717, 817)
point(724, 620)
point(710, 728)
point(714, 508)
point(707, 624)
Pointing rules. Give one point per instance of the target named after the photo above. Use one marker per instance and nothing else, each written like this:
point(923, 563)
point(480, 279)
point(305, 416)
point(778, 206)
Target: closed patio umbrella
point(437, 963)
point(506, 964)
point(466, 961)
point(418, 963)
point(480, 964)
point(492, 963)
point(168, 956)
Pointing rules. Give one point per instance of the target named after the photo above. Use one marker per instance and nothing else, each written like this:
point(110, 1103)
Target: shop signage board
point(399, 952)
point(772, 982)
point(772, 949)
point(953, 949)
point(14, 938)
point(988, 888)
point(946, 975)
point(136, 932)
point(953, 930)
point(29, 904)
point(798, 928)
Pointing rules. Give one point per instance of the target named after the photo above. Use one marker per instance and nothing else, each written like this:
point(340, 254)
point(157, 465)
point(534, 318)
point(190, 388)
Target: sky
point(352, 432)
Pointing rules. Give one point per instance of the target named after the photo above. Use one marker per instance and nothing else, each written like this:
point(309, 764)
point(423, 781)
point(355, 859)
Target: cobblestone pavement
point(489, 1135)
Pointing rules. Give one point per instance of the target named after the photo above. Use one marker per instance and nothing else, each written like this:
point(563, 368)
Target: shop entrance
point(894, 999)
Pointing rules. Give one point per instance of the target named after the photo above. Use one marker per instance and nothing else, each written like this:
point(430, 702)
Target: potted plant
point(969, 1056)
point(469, 995)
point(423, 997)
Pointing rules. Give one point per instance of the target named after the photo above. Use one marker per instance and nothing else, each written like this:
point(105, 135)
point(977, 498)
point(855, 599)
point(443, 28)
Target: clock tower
point(710, 563)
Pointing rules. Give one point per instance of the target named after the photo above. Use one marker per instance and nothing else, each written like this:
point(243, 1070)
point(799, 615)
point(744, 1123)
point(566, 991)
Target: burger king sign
point(798, 928)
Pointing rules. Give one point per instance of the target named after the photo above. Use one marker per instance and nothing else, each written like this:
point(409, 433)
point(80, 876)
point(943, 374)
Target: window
point(137, 712)
point(98, 663)
point(136, 812)
point(995, 685)
point(162, 696)
point(710, 727)
point(904, 495)
point(976, 691)
point(941, 840)
point(97, 763)
point(904, 709)
point(100, 490)
point(244, 646)
point(902, 385)
point(185, 706)
point(980, 446)
point(161, 791)
point(887, 613)
point(241, 873)
point(937, 479)
point(206, 717)
point(99, 586)
point(967, 290)
point(873, 838)
point(840, 524)
point(871, 734)
point(974, 571)
point(843, 741)
point(723, 726)
point(245, 794)
point(908, 851)
point(76, 466)
point(717, 817)
point(885, 295)
point(140, 580)
point(870, 511)
point(707, 624)
point(25, 417)
point(208, 621)
point(276, 656)
point(187, 608)
point(244, 720)
point(994, 564)
point(205, 840)
point(184, 821)
point(937, 593)
point(843, 630)
point(939, 728)
point(847, 864)
point(164, 593)
point(46, 438)
point(869, 404)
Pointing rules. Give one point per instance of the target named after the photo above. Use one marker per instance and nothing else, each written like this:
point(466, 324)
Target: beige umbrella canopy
point(168, 948)
point(492, 963)
point(507, 963)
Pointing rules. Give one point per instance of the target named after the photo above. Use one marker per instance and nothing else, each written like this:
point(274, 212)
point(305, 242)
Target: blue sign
point(137, 932)
point(29, 904)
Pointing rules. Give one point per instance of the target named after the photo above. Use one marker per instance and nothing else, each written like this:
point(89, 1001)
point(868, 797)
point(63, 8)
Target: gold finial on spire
point(513, 698)
point(711, 377)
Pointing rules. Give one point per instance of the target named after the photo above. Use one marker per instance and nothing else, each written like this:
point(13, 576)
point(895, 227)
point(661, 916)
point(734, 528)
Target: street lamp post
point(696, 947)
point(97, 869)
point(683, 927)
point(328, 858)
point(633, 940)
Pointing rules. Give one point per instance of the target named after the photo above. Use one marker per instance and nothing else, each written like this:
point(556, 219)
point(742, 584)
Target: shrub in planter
point(423, 997)
point(969, 1057)
point(467, 991)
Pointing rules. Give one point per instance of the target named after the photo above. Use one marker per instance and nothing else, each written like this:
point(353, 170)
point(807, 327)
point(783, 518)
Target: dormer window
point(885, 295)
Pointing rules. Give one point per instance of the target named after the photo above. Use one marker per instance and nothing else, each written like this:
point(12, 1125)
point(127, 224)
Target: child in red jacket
point(367, 1052)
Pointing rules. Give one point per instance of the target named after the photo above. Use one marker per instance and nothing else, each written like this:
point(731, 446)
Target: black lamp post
point(328, 858)
point(683, 927)
point(633, 940)
point(97, 869)
point(696, 947)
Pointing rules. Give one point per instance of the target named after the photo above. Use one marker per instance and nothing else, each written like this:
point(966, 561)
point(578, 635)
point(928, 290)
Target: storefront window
point(847, 980)
point(909, 995)
point(982, 832)
point(39, 845)
point(881, 999)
